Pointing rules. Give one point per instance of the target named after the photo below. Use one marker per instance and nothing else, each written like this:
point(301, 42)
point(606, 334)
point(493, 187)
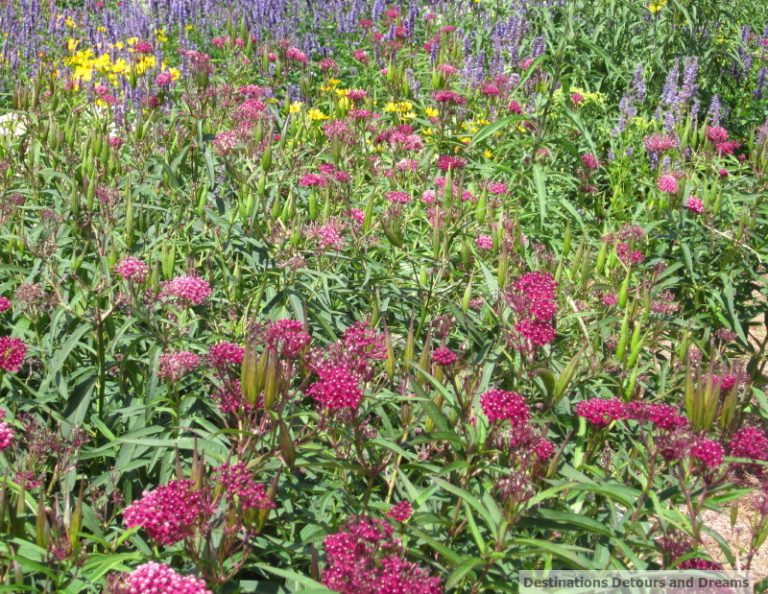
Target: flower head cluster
point(224, 354)
point(5, 304)
point(188, 289)
point(449, 162)
point(286, 337)
point(168, 514)
point(694, 204)
point(12, 353)
point(336, 388)
point(501, 405)
point(238, 482)
point(401, 511)
point(533, 297)
point(601, 411)
point(660, 143)
point(157, 578)
point(398, 197)
point(484, 242)
point(749, 442)
point(6, 432)
point(132, 269)
point(443, 356)
point(176, 364)
point(667, 183)
point(664, 416)
point(365, 558)
point(708, 451)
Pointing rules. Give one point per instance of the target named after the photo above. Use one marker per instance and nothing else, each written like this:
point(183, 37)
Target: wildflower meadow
point(380, 296)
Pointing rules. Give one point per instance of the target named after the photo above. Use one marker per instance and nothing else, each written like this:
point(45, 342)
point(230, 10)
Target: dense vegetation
point(377, 297)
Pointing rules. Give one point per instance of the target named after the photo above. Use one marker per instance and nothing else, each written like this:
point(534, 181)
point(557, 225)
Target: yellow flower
point(409, 115)
point(390, 107)
point(119, 45)
point(189, 27)
point(69, 22)
point(404, 106)
point(161, 36)
point(83, 73)
point(487, 153)
point(119, 66)
point(131, 41)
point(102, 63)
point(656, 6)
point(316, 114)
point(72, 45)
point(295, 107)
point(333, 82)
point(101, 28)
point(483, 122)
point(145, 63)
point(431, 112)
point(341, 93)
point(175, 73)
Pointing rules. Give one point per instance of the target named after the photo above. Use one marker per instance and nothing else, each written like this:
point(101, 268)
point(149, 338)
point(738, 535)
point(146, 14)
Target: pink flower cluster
point(168, 514)
point(224, 354)
point(238, 482)
point(601, 411)
point(176, 364)
point(694, 204)
point(443, 356)
point(6, 432)
point(188, 289)
point(533, 297)
point(5, 304)
point(449, 162)
point(398, 197)
point(401, 511)
point(667, 183)
point(749, 442)
point(286, 337)
point(708, 451)
point(12, 353)
point(660, 143)
point(158, 578)
point(365, 558)
point(132, 269)
point(336, 388)
point(501, 405)
point(662, 415)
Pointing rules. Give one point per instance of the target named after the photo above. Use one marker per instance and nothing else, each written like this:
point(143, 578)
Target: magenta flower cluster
point(169, 513)
point(158, 578)
point(365, 558)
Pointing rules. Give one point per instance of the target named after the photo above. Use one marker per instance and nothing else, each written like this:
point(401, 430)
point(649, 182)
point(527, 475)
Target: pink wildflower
point(400, 512)
point(667, 183)
point(337, 388)
point(601, 411)
point(169, 513)
point(443, 356)
point(694, 204)
point(132, 269)
point(190, 289)
point(158, 578)
point(500, 405)
point(12, 353)
point(176, 364)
